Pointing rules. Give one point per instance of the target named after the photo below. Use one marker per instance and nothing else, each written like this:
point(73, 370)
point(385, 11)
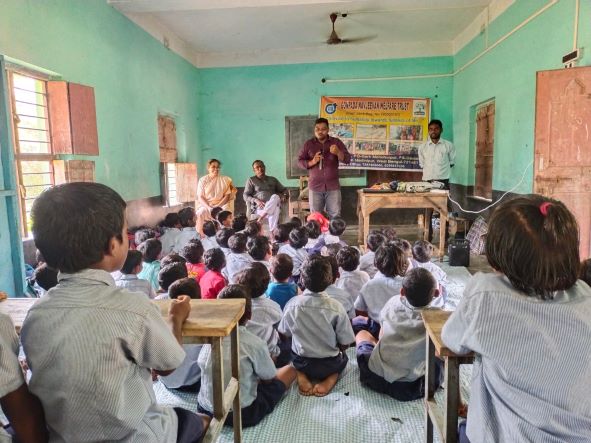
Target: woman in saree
point(213, 190)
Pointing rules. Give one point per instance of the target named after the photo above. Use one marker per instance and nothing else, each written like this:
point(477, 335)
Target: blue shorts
point(268, 395)
point(400, 390)
point(190, 427)
point(320, 368)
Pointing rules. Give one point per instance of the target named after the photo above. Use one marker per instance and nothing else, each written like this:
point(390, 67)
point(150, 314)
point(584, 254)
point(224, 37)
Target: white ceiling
point(256, 32)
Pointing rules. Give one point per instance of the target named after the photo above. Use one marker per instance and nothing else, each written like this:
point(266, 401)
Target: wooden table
point(444, 418)
point(209, 322)
point(369, 202)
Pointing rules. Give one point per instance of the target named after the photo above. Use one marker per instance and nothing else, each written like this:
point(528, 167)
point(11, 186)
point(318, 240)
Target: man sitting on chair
point(264, 194)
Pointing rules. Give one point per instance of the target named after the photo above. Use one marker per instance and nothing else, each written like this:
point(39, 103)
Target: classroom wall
point(508, 74)
point(242, 110)
point(134, 78)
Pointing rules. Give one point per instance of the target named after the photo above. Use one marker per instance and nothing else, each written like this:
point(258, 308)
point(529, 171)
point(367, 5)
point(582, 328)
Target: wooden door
point(562, 167)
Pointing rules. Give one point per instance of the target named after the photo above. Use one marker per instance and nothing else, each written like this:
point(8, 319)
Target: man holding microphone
point(321, 156)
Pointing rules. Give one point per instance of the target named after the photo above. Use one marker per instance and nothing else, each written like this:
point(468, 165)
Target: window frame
point(484, 149)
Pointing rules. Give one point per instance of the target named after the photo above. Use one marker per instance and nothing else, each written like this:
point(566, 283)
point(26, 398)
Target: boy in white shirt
point(395, 364)
point(171, 226)
point(259, 248)
point(422, 252)
point(298, 238)
point(129, 279)
point(350, 279)
point(238, 259)
point(261, 385)
point(375, 239)
point(391, 263)
point(343, 297)
point(209, 230)
point(320, 330)
point(87, 330)
point(222, 237)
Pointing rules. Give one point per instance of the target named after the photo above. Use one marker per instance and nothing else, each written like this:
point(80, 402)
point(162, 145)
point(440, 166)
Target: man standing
point(321, 156)
point(436, 156)
point(264, 194)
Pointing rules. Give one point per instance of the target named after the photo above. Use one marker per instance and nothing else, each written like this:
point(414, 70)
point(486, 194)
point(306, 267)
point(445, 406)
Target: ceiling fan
point(334, 39)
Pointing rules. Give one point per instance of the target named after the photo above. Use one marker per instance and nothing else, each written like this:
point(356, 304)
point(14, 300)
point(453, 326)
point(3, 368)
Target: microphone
point(321, 158)
point(320, 164)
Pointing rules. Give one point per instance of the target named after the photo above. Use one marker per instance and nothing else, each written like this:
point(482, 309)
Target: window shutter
point(186, 182)
point(167, 139)
point(68, 171)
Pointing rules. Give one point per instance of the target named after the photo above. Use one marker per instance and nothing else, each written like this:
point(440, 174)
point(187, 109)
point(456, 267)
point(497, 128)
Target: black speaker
point(459, 252)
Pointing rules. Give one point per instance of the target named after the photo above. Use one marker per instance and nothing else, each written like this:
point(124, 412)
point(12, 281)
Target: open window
point(485, 138)
point(49, 118)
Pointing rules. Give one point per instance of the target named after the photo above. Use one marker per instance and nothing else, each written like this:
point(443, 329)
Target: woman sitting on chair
point(213, 190)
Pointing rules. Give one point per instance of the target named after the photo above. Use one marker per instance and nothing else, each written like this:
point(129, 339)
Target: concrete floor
point(478, 263)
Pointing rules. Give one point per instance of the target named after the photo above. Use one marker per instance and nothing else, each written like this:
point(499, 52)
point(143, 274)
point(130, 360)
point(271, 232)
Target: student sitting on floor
point(585, 271)
point(336, 228)
point(395, 364)
point(407, 249)
point(295, 222)
point(422, 251)
point(151, 250)
point(259, 248)
point(225, 219)
point(266, 313)
point(298, 238)
point(209, 230)
point(350, 279)
point(170, 258)
point(188, 231)
point(171, 227)
point(45, 278)
point(129, 279)
point(261, 385)
point(320, 330)
point(143, 234)
point(239, 222)
point(213, 281)
point(91, 345)
point(343, 297)
point(187, 377)
point(238, 259)
point(23, 410)
point(222, 237)
point(193, 253)
point(281, 290)
point(167, 276)
point(313, 228)
point(280, 236)
point(253, 228)
point(528, 324)
point(375, 239)
point(391, 263)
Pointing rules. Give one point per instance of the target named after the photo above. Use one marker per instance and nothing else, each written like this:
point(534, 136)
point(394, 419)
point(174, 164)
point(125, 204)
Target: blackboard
point(299, 129)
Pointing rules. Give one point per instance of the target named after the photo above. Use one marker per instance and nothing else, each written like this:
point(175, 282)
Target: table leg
point(427, 222)
point(429, 387)
point(452, 399)
point(217, 371)
point(442, 232)
point(360, 238)
point(235, 350)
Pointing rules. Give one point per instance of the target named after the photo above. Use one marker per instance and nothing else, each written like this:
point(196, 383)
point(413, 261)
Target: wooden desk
point(369, 202)
point(209, 322)
point(444, 418)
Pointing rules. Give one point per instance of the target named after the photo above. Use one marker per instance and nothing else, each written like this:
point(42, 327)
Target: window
point(485, 136)
point(32, 140)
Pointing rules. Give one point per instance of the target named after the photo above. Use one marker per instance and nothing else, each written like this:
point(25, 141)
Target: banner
point(379, 132)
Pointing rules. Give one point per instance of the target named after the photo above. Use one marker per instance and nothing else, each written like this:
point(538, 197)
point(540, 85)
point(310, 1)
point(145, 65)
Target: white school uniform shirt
point(90, 347)
point(436, 159)
point(352, 281)
point(329, 239)
point(209, 243)
point(317, 324)
point(441, 278)
point(400, 352)
point(185, 236)
point(530, 378)
point(255, 365)
point(188, 373)
point(226, 251)
point(132, 283)
point(11, 375)
point(266, 313)
point(375, 294)
point(236, 262)
point(343, 297)
point(366, 264)
point(168, 240)
point(298, 257)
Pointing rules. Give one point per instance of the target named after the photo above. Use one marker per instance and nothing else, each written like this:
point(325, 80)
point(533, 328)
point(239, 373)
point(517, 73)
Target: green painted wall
point(242, 110)
point(507, 73)
point(134, 78)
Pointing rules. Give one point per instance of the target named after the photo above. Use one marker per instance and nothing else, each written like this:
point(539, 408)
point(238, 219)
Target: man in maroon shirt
point(321, 156)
